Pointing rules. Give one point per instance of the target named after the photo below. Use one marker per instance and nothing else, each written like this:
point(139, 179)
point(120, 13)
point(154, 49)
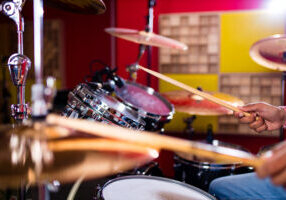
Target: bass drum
point(147, 188)
point(149, 104)
point(96, 104)
point(199, 171)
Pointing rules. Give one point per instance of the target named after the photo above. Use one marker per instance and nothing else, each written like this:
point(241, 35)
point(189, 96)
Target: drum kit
point(108, 127)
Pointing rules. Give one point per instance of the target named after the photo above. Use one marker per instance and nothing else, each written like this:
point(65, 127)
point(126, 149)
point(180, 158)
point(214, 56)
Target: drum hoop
point(150, 91)
point(208, 165)
point(117, 104)
point(88, 108)
point(160, 179)
point(96, 115)
point(137, 118)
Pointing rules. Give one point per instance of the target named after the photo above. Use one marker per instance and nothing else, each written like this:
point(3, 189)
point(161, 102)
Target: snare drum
point(147, 188)
point(96, 104)
point(199, 171)
point(153, 107)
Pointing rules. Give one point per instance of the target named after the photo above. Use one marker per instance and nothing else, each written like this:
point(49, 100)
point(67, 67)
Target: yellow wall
point(239, 31)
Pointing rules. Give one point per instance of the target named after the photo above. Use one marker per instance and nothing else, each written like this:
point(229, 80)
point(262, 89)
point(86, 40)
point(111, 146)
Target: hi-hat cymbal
point(79, 6)
point(70, 165)
point(270, 52)
point(152, 140)
point(195, 105)
point(143, 37)
point(72, 158)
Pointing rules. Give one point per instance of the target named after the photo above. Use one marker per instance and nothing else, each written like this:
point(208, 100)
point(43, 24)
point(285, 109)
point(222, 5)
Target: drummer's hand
point(270, 117)
point(275, 166)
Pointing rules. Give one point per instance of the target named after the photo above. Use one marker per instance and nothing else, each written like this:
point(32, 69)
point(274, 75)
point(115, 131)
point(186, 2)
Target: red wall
point(84, 40)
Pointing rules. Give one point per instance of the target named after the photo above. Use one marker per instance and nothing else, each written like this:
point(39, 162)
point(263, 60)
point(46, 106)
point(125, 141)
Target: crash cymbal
point(143, 37)
point(270, 52)
point(65, 159)
point(79, 6)
point(195, 105)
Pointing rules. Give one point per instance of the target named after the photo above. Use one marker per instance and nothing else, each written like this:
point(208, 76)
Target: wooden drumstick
point(193, 90)
point(97, 144)
point(156, 141)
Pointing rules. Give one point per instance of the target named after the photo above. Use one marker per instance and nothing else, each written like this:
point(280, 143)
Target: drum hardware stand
point(189, 128)
point(133, 68)
point(18, 63)
point(39, 106)
point(41, 97)
point(210, 135)
point(149, 28)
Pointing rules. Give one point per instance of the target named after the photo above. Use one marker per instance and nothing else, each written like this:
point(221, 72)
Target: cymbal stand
point(18, 63)
point(133, 68)
point(39, 106)
point(149, 28)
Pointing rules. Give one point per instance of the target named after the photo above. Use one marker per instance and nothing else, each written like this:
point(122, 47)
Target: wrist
point(283, 115)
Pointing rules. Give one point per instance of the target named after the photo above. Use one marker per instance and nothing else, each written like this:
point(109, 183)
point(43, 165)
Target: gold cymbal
point(143, 37)
point(69, 166)
point(79, 6)
point(152, 140)
point(72, 158)
point(270, 52)
point(195, 105)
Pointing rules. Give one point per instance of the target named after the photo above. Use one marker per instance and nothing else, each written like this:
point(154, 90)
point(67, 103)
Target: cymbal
point(79, 6)
point(71, 165)
point(72, 158)
point(195, 105)
point(270, 52)
point(143, 37)
point(152, 140)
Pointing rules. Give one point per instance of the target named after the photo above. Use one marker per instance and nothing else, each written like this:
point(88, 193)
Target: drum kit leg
point(107, 126)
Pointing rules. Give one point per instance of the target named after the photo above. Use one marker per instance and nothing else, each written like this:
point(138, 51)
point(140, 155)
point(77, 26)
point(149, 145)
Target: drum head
point(148, 187)
point(143, 98)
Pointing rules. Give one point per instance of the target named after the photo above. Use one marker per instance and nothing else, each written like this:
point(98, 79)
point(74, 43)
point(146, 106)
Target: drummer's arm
point(270, 118)
point(275, 166)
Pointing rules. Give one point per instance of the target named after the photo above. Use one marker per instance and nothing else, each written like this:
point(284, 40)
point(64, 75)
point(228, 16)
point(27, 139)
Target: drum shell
point(154, 122)
point(201, 173)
